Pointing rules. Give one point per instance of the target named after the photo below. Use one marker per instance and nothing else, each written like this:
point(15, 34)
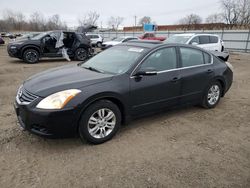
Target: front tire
point(31, 56)
point(99, 122)
point(212, 95)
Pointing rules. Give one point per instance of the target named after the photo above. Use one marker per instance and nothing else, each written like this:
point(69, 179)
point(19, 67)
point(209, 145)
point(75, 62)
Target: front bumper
point(57, 123)
point(13, 52)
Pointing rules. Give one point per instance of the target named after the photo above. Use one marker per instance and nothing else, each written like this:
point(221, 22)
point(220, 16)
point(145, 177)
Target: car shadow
point(68, 143)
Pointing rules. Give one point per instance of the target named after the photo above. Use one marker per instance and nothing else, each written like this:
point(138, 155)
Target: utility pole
point(135, 20)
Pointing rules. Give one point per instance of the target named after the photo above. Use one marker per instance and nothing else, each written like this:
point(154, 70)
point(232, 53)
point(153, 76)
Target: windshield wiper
point(93, 69)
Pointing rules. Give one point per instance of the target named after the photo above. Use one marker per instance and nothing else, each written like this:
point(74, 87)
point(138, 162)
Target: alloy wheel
point(101, 123)
point(213, 95)
point(31, 57)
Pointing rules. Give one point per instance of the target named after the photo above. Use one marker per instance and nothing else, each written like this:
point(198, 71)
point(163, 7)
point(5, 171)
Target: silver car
point(96, 39)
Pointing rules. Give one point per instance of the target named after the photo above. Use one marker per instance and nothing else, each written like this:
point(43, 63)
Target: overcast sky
point(161, 11)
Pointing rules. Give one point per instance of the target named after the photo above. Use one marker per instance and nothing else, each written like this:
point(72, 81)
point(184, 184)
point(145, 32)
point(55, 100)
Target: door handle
point(209, 71)
point(175, 79)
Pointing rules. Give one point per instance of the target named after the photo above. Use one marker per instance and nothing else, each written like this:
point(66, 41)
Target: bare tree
point(215, 18)
point(145, 20)
point(191, 19)
point(244, 11)
point(236, 12)
point(89, 19)
point(230, 11)
point(9, 17)
point(20, 21)
point(37, 21)
point(115, 22)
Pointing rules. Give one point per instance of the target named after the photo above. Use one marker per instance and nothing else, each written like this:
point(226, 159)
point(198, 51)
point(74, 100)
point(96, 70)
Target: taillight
point(229, 65)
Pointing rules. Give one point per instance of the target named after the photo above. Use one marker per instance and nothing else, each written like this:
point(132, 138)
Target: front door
point(151, 92)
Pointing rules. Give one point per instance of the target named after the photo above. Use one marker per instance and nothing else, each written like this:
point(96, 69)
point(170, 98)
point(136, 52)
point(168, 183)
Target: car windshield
point(178, 39)
point(39, 36)
point(119, 39)
point(116, 60)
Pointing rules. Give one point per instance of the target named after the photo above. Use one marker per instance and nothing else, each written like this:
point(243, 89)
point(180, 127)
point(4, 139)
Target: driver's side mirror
point(146, 72)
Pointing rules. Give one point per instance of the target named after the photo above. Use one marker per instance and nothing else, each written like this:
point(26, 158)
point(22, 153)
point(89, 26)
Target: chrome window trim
point(170, 70)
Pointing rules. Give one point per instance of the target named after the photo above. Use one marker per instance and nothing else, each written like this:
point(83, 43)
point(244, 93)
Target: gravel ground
point(188, 147)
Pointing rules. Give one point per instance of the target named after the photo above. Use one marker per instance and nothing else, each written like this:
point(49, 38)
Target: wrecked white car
point(53, 44)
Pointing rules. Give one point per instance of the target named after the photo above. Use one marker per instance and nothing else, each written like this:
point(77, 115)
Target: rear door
point(215, 43)
point(149, 93)
point(196, 72)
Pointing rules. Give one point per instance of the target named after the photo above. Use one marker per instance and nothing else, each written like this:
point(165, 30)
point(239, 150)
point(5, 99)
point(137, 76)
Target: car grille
point(25, 97)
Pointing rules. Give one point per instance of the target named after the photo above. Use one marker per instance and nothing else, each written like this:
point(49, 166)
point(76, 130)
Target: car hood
point(23, 41)
point(63, 78)
point(111, 43)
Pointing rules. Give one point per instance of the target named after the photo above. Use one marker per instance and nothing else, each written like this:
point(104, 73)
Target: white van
point(206, 41)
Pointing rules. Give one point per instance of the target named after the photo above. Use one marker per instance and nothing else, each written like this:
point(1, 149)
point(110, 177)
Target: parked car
point(151, 36)
point(96, 39)
point(206, 41)
point(10, 35)
point(94, 98)
point(116, 41)
point(1, 40)
point(51, 44)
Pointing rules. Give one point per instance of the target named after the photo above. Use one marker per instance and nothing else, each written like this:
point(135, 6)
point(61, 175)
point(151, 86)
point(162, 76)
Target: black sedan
point(94, 98)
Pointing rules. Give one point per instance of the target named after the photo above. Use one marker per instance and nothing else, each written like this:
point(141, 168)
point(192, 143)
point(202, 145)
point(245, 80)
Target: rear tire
point(31, 56)
point(212, 95)
point(99, 122)
point(81, 54)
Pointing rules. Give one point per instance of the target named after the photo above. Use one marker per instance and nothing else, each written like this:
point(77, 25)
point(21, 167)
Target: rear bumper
point(46, 123)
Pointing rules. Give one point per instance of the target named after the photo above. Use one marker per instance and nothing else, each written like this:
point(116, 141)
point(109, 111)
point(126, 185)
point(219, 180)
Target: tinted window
point(115, 60)
point(191, 57)
point(195, 39)
point(213, 39)
point(204, 39)
point(164, 59)
point(207, 58)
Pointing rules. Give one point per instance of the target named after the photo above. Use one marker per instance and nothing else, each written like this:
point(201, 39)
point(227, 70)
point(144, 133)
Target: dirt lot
point(190, 147)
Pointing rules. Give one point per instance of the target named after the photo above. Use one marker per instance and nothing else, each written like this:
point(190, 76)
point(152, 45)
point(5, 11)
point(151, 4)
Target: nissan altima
point(92, 99)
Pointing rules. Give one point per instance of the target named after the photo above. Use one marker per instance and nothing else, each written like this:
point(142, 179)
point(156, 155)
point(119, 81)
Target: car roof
point(152, 46)
point(125, 37)
point(195, 34)
point(145, 41)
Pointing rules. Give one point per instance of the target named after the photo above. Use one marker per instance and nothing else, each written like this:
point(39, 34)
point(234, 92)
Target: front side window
point(163, 59)
point(182, 39)
point(195, 40)
point(191, 57)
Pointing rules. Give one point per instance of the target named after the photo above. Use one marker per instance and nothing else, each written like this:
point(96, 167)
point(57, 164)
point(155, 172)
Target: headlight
point(58, 100)
point(13, 47)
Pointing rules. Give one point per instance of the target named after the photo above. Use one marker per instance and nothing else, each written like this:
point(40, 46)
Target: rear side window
point(207, 58)
point(213, 39)
point(191, 57)
point(204, 39)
